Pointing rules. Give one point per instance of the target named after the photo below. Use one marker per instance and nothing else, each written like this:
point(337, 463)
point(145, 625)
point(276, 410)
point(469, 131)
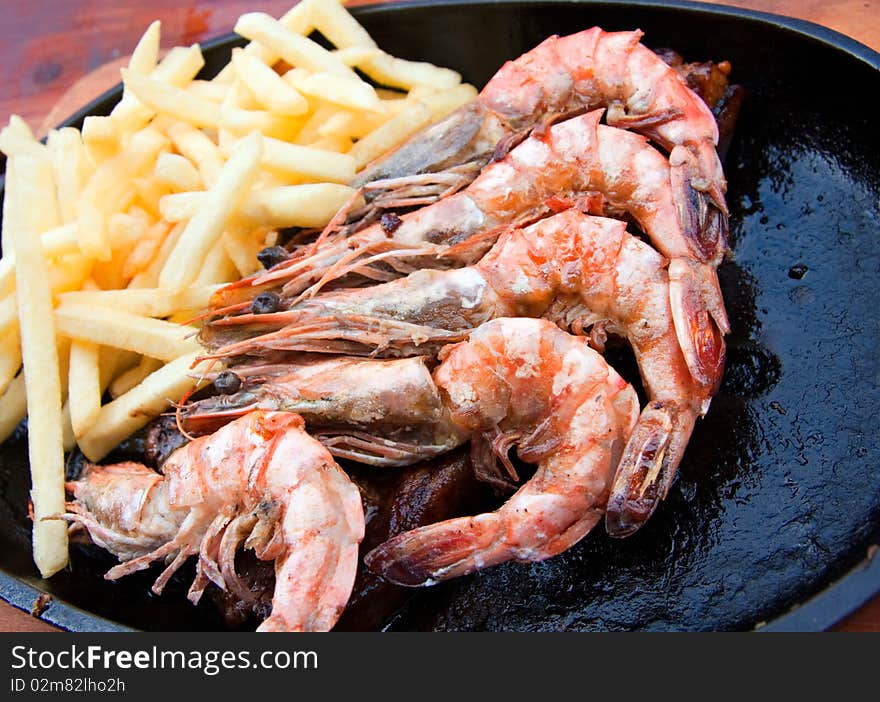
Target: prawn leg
point(647, 467)
point(700, 320)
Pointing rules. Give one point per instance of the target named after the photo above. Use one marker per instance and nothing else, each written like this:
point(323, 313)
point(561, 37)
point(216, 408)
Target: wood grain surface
point(57, 55)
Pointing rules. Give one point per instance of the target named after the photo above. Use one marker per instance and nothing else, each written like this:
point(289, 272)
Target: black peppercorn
point(227, 383)
point(390, 222)
point(272, 256)
point(265, 303)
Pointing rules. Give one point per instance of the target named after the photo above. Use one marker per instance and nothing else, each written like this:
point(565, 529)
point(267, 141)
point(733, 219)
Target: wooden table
point(58, 54)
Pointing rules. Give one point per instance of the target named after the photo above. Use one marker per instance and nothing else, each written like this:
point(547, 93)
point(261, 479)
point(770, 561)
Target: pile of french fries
point(115, 236)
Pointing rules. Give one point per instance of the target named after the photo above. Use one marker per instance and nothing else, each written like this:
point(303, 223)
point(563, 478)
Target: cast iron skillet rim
point(820, 612)
point(806, 28)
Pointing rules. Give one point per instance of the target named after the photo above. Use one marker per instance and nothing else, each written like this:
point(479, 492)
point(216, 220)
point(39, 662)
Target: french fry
point(308, 205)
point(180, 207)
point(339, 124)
point(69, 272)
point(344, 31)
point(267, 87)
point(220, 202)
point(170, 100)
point(40, 364)
point(125, 228)
point(84, 386)
point(113, 362)
point(101, 137)
point(334, 22)
point(400, 73)
point(349, 124)
point(37, 187)
point(177, 172)
point(9, 196)
point(243, 122)
point(62, 345)
point(218, 267)
point(148, 193)
point(295, 49)
point(13, 407)
point(344, 90)
point(111, 274)
point(17, 139)
point(199, 149)
point(130, 115)
point(59, 241)
point(145, 250)
point(310, 128)
point(145, 302)
point(133, 376)
point(63, 276)
point(72, 168)
point(354, 55)
point(8, 314)
point(242, 244)
point(332, 143)
point(180, 66)
point(442, 102)
point(311, 205)
point(240, 96)
point(177, 69)
point(208, 90)
point(109, 327)
point(111, 187)
point(68, 440)
point(298, 20)
point(92, 227)
point(131, 411)
point(146, 53)
point(308, 163)
point(10, 357)
point(125, 235)
point(149, 277)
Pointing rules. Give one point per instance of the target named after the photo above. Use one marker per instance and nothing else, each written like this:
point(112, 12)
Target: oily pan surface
point(777, 494)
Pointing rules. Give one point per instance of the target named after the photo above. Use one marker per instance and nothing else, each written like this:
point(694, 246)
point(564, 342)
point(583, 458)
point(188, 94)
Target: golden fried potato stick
point(40, 361)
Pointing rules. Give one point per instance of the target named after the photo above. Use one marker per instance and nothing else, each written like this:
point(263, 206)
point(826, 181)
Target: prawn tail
point(316, 555)
point(700, 320)
point(440, 551)
point(709, 165)
point(644, 472)
point(699, 199)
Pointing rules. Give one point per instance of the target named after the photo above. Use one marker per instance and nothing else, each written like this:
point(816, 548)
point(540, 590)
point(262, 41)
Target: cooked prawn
point(382, 412)
point(562, 76)
point(575, 158)
point(534, 386)
point(585, 273)
point(260, 480)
